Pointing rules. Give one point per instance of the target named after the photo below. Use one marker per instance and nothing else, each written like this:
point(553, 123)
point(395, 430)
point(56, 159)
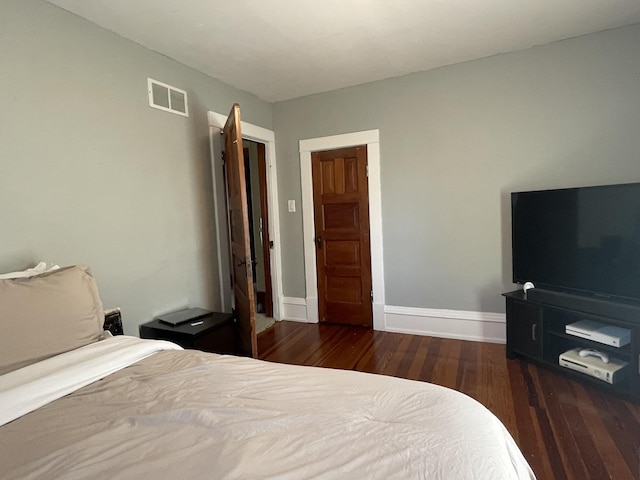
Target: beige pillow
point(48, 314)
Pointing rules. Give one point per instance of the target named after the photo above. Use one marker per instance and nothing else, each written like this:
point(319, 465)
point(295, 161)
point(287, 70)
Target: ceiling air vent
point(167, 98)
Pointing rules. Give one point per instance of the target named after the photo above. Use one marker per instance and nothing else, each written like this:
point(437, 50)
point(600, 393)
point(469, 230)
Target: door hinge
point(367, 169)
point(372, 295)
point(270, 243)
point(223, 158)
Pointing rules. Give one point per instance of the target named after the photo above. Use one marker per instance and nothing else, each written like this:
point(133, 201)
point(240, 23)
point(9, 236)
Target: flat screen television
point(578, 240)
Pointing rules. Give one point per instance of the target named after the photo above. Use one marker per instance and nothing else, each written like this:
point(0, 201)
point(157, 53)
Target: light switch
point(292, 205)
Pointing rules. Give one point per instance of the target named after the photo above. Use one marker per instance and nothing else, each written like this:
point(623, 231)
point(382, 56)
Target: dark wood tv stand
point(536, 331)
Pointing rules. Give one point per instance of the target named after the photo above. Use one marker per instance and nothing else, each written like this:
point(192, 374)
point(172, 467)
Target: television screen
point(578, 239)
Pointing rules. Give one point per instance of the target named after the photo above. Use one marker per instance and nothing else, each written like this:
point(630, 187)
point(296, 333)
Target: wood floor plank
point(445, 370)
point(526, 430)
point(608, 451)
point(503, 392)
point(413, 373)
point(468, 366)
point(434, 352)
point(407, 353)
point(296, 347)
point(350, 345)
point(393, 367)
point(384, 347)
point(583, 440)
point(548, 440)
point(317, 353)
point(566, 429)
point(557, 395)
point(367, 358)
point(620, 424)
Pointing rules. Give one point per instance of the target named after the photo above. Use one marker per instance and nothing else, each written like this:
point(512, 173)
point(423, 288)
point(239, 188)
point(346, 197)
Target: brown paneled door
point(241, 267)
point(343, 250)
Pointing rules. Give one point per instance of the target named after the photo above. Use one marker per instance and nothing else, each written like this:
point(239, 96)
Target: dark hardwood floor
point(566, 429)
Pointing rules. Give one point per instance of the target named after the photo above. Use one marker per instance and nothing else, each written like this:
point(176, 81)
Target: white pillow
point(29, 272)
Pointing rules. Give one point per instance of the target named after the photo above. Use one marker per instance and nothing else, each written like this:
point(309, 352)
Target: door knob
point(319, 242)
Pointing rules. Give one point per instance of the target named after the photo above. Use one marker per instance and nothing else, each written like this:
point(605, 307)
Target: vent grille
point(167, 98)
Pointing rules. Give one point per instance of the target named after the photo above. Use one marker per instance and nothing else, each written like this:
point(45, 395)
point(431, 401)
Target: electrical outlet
point(292, 206)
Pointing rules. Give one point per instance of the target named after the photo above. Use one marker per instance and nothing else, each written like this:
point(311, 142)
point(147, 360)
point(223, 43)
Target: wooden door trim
point(267, 137)
point(370, 138)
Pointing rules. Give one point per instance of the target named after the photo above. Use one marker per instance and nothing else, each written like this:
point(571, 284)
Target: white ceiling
point(282, 49)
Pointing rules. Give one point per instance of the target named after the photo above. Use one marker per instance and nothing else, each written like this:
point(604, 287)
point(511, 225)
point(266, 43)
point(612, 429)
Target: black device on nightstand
point(113, 321)
point(197, 329)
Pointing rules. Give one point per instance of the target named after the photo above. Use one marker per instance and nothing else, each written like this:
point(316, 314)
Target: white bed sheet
point(28, 388)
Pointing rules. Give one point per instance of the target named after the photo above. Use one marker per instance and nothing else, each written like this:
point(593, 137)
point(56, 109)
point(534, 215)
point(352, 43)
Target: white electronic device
point(600, 332)
point(593, 365)
point(591, 352)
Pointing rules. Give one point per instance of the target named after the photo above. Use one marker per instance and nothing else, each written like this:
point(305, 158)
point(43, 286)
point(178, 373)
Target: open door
point(239, 234)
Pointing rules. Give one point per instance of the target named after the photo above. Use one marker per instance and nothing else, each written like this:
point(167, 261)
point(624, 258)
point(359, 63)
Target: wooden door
point(343, 250)
point(239, 234)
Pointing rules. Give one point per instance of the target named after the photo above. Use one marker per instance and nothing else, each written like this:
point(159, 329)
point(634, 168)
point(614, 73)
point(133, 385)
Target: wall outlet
point(292, 206)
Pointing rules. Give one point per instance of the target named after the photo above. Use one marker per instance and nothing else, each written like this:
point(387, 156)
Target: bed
point(125, 408)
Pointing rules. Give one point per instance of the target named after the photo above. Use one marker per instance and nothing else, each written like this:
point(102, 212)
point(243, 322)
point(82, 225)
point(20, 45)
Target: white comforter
point(192, 415)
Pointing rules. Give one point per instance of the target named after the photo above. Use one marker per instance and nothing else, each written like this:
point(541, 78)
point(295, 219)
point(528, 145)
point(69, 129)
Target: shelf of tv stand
point(536, 331)
point(623, 353)
point(623, 387)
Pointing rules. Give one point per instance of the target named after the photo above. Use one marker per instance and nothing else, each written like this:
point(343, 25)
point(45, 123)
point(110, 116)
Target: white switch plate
point(292, 205)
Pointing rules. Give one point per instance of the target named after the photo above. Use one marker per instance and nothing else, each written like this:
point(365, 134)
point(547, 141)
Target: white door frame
point(370, 138)
point(267, 137)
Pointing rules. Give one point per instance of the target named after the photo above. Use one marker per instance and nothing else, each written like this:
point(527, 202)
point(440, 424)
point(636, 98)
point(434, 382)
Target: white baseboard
point(295, 309)
point(458, 324)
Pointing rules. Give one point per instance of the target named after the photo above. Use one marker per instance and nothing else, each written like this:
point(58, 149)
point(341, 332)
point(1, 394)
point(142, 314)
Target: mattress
point(191, 415)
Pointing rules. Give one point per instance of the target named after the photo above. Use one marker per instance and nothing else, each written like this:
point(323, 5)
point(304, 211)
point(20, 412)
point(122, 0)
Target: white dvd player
point(592, 365)
point(600, 332)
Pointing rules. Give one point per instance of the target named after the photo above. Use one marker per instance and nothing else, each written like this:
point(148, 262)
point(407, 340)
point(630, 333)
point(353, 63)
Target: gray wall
point(455, 141)
point(89, 173)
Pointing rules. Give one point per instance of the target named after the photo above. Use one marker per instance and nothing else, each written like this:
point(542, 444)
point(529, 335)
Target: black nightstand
point(214, 332)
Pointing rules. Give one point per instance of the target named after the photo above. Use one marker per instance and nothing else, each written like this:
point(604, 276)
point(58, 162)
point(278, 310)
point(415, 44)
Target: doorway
point(259, 239)
point(370, 138)
point(260, 135)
